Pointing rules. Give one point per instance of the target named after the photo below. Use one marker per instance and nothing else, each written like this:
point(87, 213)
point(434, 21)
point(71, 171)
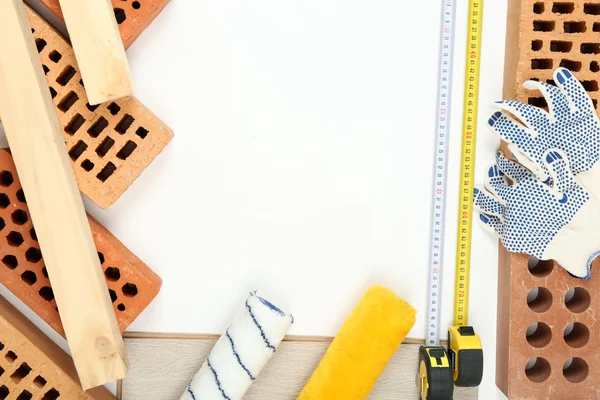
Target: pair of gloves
point(547, 204)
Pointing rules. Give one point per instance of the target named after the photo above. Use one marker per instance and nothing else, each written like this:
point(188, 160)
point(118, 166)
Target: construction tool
point(462, 363)
point(99, 50)
point(55, 205)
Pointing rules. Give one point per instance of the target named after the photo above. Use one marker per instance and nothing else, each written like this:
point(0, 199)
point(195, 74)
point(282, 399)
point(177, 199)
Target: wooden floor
point(162, 365)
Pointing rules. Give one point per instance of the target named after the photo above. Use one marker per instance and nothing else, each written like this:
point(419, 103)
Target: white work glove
point(557, 220)
point(570, 125)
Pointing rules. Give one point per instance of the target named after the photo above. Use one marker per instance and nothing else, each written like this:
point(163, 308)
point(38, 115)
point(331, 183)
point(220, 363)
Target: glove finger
point(514, 171)
point(533, 117)
point(510, 130)
point(527, 161)
point(574, 90)
point(557, 101)
point(492, 224)
point(495, 183)
point(560, 172)
point(486, 203)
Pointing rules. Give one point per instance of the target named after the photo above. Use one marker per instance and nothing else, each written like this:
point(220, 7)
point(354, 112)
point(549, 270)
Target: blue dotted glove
point(571, 125)
point(558, 221)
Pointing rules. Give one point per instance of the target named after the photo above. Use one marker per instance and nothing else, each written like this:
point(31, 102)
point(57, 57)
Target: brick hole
point(121, 307)
point(29, 277)
point(591, 8)
point(19, 217)
point(538, 102)
point(76, 122)
point(590, 86)
point(6, 178)
point(47, 293)
point(536, 45)
point(53, 92)
point(45, 272)
point(590, 48)
point(101, 258)
point(106, 172)
point(20, 373)
point(538, 334)
point(2, 371)
point(539, 268)
point(46, 69)
point(129, 290)
point(126, 150)
point(55, 56)
point(66, 75)
point(87, 165)
point(112, 274)
point(563, 8)
point(10, 261)
point(542, 63)
point(81, 83)
point(539, 299)
point(560, 46)
point(114, 108)
point(40, 44)
point(113, 295)
point(596, 27)
point(1, 346)
point(574, 27)
point(21, 196)
point(574, 66)
point(141, 132)
point(537, 369)
point(577, 300)
point(124, 124)
point(4, 392)
point(136, 5)
point(33, 255)
point(120, 15)
point(33, 234)
point(77, 150)
point(105, 146)
point(595, 103)
point(10, 356)
point(543, 26)
point(14, 239)
point(25, 395)
point(4, 200)
point(594, 66)
point(97, 127)
point(91, 107)
point(67, 102)
point(39, 381)
point(575, 370)
point(2, 223)
point(539, 8)
point(52, 394)
point(576, 334)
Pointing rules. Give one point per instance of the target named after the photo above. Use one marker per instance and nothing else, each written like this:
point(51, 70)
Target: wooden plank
point(56, 208)
point(98, 48)
point(162, 366)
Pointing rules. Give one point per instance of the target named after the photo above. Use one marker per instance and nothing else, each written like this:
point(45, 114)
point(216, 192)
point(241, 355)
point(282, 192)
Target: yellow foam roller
point(362, 348)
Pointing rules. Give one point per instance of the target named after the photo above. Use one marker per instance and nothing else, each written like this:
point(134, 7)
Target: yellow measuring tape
point(464, 348)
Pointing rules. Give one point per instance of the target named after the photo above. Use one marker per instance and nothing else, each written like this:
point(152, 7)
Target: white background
point(302, 161)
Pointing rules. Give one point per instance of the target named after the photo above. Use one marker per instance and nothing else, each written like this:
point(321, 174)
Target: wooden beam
point(56, 208)
point(98, 48)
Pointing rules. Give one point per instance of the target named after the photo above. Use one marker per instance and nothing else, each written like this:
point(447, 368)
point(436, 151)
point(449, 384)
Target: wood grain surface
point(162, 367)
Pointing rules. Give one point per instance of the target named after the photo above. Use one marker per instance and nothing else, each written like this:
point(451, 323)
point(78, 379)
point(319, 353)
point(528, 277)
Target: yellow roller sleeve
point(362, 348)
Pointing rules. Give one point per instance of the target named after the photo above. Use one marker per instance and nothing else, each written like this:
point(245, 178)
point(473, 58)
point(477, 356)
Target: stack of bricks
point(547, 346)
point(132, 285)
point(109, 144)
point(32, 367)
point(133, 16)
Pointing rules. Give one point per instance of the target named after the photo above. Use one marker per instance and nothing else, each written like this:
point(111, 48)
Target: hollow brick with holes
point(547, 341)
point(132, 285)
point(33, 367)
point(133, 16)
point(110, 144)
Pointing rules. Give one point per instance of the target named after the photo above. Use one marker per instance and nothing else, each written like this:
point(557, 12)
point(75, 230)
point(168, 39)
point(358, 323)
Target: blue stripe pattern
point(262, 333)
point(237, 355)
point(190, 391)
point(217, 379)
